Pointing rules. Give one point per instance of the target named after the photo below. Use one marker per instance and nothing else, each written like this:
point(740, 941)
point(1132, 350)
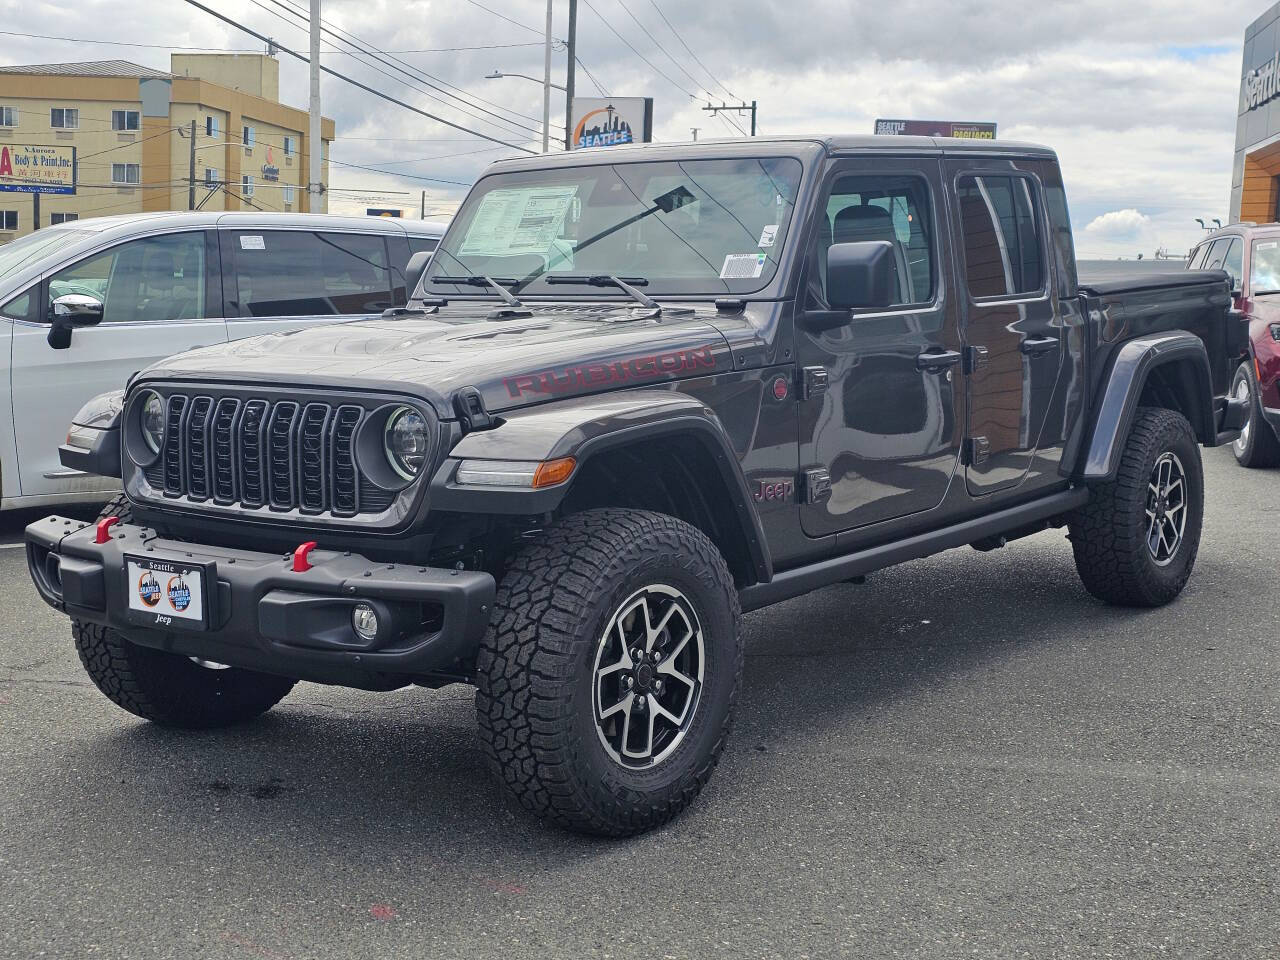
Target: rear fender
point(587, 427)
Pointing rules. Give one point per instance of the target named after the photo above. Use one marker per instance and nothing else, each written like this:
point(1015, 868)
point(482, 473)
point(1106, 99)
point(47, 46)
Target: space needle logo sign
point(608, 130)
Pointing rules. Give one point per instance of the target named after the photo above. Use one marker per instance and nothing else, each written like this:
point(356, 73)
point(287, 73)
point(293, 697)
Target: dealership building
point(111, 137)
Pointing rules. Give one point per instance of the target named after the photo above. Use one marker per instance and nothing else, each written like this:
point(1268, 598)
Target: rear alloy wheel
point(1257, 445)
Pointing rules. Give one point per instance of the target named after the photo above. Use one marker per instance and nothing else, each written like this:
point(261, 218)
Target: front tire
point(607, 679)
point(1135, 541)
point(1257, 445)
point(166, 688)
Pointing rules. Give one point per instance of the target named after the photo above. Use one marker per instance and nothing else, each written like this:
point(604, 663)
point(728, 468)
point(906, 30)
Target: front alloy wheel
point(648, 676)
point(1166, 508)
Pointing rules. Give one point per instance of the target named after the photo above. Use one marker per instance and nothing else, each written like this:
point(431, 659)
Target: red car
point(1250, 253)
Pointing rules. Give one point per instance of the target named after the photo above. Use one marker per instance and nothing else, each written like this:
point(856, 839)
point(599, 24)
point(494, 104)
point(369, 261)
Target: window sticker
point(768, 236)
point(252, 242)
point(518, 220)
point(743, 266)
point(1267, 245)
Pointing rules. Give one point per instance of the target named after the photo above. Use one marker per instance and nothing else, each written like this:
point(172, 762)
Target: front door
point(1012, 329)
point(887, 429)
point(159, 297)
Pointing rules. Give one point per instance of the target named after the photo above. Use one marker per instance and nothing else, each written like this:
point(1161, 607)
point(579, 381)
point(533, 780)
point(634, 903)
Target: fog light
point(364, 621)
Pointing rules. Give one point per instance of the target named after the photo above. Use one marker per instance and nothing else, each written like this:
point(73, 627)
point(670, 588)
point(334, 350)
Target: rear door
point(1012, 324)
point(161, 295)
point(887, 429)
point(281, 280)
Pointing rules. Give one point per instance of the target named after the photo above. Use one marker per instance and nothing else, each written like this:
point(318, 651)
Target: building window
point(246, 186)
point(8, 219)
point(126, 174)
point(247, 136)
point(289, 146)
point(210, 176)
point(64, 118)
point(288, 193)
point(124, 119)
point(8, 116)
point(56, 218)
point(211, 127)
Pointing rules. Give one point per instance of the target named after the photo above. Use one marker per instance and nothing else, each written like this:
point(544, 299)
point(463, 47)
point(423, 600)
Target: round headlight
point(406, 442)
point(152, 422)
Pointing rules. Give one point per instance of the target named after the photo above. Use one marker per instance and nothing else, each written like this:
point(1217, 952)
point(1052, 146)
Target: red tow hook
point(300, 562)
point(104, 527)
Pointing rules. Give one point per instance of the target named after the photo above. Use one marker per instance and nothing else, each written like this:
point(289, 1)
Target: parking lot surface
point(966, 756)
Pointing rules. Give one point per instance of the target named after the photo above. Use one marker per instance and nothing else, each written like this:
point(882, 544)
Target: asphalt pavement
point(966, 756)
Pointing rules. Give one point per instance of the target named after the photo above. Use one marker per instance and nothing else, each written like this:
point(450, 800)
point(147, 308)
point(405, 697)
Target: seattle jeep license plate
point(163, 593)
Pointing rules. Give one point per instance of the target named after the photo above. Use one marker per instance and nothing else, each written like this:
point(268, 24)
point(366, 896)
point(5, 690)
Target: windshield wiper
point(498, 284)
point(627, 286)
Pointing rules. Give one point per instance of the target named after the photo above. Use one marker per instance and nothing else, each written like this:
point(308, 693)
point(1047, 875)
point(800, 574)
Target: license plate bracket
point(169, 594)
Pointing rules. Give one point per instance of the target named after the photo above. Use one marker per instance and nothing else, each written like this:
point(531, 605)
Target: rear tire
point(1135, 541)
point(1257, 445)
point(167, 688)
point(578, 729)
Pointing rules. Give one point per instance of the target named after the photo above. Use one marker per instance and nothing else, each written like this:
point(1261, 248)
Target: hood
point(559, 351)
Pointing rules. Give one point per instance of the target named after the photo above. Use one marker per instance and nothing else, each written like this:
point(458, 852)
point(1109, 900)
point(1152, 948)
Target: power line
point(676, 34)
point(628, 45)
point(661, 48)
point(357, 83)
point(175, 46)
point(122, 146)
point(517, 23)
point(413, 72)
point(600, 87)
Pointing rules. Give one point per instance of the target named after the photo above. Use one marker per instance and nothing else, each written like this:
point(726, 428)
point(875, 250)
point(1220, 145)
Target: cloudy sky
point(1138, 98)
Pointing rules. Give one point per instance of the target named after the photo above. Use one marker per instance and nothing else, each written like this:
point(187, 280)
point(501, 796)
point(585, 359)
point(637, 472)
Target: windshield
point(15, 255)
point(698, 227)
point(1264, 267)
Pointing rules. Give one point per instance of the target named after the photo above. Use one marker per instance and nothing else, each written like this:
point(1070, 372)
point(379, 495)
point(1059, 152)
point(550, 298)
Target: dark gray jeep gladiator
point(639, 391)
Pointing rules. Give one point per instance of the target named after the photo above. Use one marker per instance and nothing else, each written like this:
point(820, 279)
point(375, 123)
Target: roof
point(250, 219)
point(92, 68)
point(798, 145)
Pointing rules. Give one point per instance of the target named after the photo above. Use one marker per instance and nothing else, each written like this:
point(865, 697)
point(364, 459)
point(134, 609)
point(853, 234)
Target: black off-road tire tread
point(525, 668)
point(1264, 450)
point(1112, 563)
point(166, 688)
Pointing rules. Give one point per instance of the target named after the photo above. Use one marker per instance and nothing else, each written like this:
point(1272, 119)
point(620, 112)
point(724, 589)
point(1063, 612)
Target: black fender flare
point(585, 427)
point(1122, 387)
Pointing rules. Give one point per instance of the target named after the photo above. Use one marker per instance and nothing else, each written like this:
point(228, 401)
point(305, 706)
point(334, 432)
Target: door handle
point(937, 361)
point(1034, 346)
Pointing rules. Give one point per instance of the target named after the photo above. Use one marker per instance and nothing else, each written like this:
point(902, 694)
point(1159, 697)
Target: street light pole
point(569, 78)
point(314, 144)
point(546, 82)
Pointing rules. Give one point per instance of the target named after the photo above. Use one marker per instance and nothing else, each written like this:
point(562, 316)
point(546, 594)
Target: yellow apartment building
point(123, 134)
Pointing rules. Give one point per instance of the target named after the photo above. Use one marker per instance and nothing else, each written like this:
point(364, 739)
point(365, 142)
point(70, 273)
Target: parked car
point(640, 391)
point(85, 305)
point(1250, 253)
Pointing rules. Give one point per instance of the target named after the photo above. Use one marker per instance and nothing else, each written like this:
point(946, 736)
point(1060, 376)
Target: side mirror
point(418, 264)
point(70, 311)
point(861, 275)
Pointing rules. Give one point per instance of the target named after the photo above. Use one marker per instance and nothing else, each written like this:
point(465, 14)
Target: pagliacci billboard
point(611, 122)
point(936, 128)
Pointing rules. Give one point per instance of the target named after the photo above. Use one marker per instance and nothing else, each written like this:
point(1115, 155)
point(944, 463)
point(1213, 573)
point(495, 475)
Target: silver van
point(85, 304)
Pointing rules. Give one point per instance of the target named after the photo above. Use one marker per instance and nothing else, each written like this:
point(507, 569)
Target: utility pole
point(546, 82)
point(35, 211)
point(423, 214)
point(315, 186)
point(695, 133)
point(191, 170)
point(740, 109)
point(569, 76)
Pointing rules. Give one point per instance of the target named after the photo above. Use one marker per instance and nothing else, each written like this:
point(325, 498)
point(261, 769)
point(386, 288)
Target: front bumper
point(261, 615)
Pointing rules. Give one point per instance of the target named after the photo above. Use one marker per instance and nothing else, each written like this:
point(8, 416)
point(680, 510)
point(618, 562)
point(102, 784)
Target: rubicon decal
point(586, 376)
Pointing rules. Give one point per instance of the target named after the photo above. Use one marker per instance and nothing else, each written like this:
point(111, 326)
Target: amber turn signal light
point(551, 472)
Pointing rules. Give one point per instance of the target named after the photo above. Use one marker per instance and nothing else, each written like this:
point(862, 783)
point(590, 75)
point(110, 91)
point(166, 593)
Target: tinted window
point(422, 244)
point(158, 278)
point(894, 209)
point(289, 273)
point(1233, 263)
point(1217, 253)
point(1001, 234)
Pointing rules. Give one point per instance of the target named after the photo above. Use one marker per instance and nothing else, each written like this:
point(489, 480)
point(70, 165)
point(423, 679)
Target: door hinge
point(813, 382)
point(975, 358)
point(815, 485)
point(976, 451)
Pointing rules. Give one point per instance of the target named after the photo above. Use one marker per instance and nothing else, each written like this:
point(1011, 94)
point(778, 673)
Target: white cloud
point(1124, 225)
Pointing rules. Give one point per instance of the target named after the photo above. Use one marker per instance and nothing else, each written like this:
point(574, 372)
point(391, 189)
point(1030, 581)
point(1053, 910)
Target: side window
point(290, 273)
point(1001, 236)
point(154, 279)
point(422, 244)
point(895, 209)
point(1217, 253)
point(1233, 263)
point(19, 308)
point(1195, 256)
